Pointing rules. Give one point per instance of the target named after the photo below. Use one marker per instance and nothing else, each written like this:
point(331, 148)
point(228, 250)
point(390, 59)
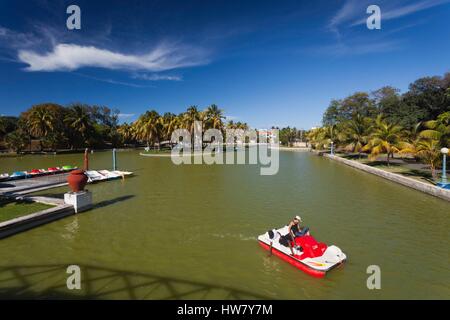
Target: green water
point(190, 232)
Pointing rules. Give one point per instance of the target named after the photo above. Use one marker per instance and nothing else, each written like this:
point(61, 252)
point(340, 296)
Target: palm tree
point(438, 129)
point(148, 127)
point(170, 122)
point(44, 122)
point(428, 150)
point(322, 137)
point(189, 117)
point(126, 131)
point(41, 121)
point(356, 133)
point(214, 117)
point(242, 125)
point(385, 138)
point(79, 121)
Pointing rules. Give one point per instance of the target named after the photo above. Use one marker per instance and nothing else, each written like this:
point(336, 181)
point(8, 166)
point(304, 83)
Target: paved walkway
point(30, 185)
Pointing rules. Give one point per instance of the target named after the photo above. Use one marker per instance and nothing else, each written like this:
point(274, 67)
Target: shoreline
point(430, 189)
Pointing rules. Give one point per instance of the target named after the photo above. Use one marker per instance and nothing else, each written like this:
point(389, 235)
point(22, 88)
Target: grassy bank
point(12, 210)
point(403, 166)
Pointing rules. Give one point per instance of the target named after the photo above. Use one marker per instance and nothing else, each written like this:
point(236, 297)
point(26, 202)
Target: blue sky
point(263, 62)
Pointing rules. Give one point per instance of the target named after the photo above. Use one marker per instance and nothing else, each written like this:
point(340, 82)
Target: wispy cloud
point(346, 12)
point(405, 10)
point(68, 57)
point(353, 12)
point(156, 77)
point(14, 40)
point(233, 118)
point(112, 81)
point(126, 115)
point(357, 48)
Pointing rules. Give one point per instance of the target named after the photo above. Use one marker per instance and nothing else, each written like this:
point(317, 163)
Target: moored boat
point(18, 175)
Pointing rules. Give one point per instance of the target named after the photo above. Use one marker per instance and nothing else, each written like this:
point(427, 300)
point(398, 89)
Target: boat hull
point(295, 262)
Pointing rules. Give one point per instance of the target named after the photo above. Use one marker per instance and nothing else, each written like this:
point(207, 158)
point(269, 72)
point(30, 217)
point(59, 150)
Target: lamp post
point(332, 151)
point(444, 152)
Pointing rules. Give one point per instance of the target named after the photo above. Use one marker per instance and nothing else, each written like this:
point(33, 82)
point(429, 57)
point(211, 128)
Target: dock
point(24, 186)
point(21, 190)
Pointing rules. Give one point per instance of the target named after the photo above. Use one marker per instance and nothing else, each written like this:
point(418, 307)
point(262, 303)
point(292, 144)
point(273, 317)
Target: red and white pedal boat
point(310, 256)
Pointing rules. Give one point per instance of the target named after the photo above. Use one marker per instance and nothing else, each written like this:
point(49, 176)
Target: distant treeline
point(56, 127)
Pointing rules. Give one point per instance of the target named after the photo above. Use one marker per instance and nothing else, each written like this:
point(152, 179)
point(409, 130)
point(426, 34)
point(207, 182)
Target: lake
point(190, 231)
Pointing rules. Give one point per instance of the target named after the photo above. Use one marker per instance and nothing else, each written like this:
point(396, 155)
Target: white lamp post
point(444, 152)
point(332, 151)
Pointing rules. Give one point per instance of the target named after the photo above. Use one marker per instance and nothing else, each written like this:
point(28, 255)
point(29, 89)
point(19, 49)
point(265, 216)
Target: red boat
point(310, 256)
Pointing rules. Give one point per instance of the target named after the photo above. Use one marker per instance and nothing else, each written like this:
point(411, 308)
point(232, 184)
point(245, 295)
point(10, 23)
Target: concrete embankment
point(408, 182)
point(14, 226)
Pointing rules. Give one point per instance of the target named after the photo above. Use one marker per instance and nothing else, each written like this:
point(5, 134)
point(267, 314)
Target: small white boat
point(123, 173)
point(4, 177)
point(109, 174)
point(94, 176)
point(104, 175)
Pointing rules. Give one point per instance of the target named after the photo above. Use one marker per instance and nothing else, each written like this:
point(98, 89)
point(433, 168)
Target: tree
point(429, 95)
point(126, 132)
point(148, 127)
point(2, 125)
point(438, 129)
point(320, 138)
point(16, 140)
point(170, 122)
point(332, 115)
point(80, 123)
point(214, 117)
point(356, 133)
point(189, 117)
point(358, 103)
point(428, 150)
point(391, 104)
point(385, 138)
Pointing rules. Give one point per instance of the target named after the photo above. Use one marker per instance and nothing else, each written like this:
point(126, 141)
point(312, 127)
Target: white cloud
point(126, 115)
point(348, 10)
point(355, 48)
point(12, 39)
point(354, 13)
point(67, 57)
point(111, 81)
point(405, 10)
point(156, 77)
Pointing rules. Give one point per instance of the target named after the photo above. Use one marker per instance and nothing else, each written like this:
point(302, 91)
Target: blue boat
point(18, 175)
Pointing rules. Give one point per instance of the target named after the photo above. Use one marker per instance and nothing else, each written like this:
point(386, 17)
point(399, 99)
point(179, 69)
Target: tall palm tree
point(214, 117)
point(428, 150)
point(79, 120)
point(148, 127)
point(356, 133)
point(126, 131)
point(385, 138)
point(170, 122)
point(44, 122)
point(189, 117)
point(321, 137)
